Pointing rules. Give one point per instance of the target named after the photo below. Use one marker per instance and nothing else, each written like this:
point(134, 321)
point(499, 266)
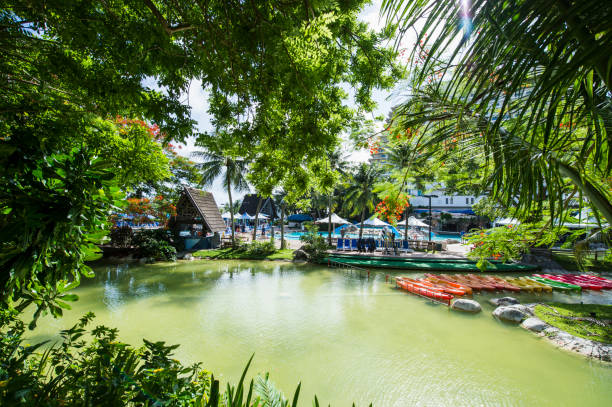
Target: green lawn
point(228, 254)
point(595, 321)
point(568, 262)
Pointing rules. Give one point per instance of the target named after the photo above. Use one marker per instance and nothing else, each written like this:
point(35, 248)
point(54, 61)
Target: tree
point(279, 200)
point(232, 169)
point(534, 102)
point(233, 208)
point(337, 164)
point(360, 194)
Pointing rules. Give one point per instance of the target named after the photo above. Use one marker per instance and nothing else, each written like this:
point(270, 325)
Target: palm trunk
point(256, 219)
point(229, 194)
point(406, 225)
point(361, 226)
point(282, 226)
point(595, 197)
point(329, 224)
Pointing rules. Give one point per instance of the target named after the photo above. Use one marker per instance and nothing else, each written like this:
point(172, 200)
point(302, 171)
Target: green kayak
point(556, 285)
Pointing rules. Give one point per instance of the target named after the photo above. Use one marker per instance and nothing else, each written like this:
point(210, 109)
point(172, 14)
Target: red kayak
point(485, 284)
point(438, 287)
point(600, 280)
point(506, 285)
point(572, 279)
point(420, 290)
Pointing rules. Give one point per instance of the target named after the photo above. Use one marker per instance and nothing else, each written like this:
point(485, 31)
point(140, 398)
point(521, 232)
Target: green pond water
point(346, 339)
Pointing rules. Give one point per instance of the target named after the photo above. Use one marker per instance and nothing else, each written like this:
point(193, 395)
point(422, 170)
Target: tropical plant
point(155, 244)
point(337, 165)
point(524, 84)
point(314, 244)
point(360, 195)
point(223, 163)
point(280, 201)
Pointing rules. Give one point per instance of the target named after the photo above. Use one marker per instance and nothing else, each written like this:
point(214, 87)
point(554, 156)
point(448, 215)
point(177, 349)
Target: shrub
point(107, 372)
point(314, 244)
point(260, 249)
point(155, 243)
point(121, 237)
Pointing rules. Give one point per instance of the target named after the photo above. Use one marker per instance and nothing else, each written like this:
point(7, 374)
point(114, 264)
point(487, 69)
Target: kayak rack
point(425, 297)
point(349, 268)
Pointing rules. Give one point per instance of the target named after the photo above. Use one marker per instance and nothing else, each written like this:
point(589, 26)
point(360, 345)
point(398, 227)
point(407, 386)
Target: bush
point(121, 237)
point(155, 243)
point(259, 249)
point(107, 372)
point(315, 245)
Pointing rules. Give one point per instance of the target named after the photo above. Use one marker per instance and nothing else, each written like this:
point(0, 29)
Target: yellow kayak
point(545, 288)
point(525, 285)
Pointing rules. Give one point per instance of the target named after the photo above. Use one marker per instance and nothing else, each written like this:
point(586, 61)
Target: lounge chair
point(339, 245)
point(347, 244)
point(354, 244)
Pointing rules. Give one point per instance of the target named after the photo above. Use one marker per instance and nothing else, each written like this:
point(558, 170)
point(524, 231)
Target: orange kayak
point(420, 290)
point(444, 288)
point(476, 285)
point(475, 280)
point(440, 281)
point(507, 285)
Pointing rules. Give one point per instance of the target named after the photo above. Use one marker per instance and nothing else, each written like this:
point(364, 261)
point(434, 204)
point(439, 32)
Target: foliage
point(105, 372)
point(589, 321)
point(587, 263)
point(314, 244)
point(360, 196)
point(154, 243)
point(533, 104)
point(507, 243)
point(121, 236)
point(259, 249)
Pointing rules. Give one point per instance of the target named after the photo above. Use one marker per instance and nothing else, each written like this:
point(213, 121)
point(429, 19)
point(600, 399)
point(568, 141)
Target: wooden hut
point(197, 219)
point(250, 202)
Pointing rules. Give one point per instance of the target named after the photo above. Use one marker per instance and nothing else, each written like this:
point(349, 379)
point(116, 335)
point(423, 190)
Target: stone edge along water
point(564, 340)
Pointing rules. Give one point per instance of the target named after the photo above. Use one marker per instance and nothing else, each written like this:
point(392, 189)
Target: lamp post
point(430, 218)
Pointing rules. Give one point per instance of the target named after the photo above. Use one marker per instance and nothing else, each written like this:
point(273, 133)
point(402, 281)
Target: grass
point(230, 253)
point(568, 262)
point(595, 321)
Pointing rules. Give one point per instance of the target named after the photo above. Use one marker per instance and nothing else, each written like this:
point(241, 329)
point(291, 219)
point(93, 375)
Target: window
point(472, 200)
point(467, 200)
point(451, 201)
point(447, 201)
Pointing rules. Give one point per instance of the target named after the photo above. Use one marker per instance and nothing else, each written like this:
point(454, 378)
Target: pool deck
point(453, 251)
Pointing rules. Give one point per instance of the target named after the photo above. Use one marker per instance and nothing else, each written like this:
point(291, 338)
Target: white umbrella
point(335, 219)
point(226, 215)
point(412, 221)
point(262, 216)
point(375, 222)
point(246, 216)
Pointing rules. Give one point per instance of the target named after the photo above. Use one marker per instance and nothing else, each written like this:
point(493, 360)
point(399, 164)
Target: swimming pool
point(297, 235)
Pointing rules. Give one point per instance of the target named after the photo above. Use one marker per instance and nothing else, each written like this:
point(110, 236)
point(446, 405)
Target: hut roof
point(205, 203)
point(249, 205)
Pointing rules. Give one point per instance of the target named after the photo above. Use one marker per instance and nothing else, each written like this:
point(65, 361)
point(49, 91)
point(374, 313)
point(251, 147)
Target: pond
point(346, 339)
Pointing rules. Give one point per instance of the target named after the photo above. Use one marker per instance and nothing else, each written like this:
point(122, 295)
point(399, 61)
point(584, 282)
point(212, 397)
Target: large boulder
point(504, 301)
point(509, 314)
point(534, 324)
point(300, 254)
point(466, 305)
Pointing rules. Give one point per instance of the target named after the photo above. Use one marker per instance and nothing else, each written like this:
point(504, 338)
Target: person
point(263, 230)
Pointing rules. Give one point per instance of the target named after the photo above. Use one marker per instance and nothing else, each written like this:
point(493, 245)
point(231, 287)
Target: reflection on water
point(344, 338)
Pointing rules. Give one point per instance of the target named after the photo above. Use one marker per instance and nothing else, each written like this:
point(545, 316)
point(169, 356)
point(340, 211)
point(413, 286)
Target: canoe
point(545, 287)
point(585, 278)
point(440, 281)
point(524, 285)
point(475, 285)
point(570, 279)
point(493, 285)
point(606, 282)
point(419, 290)
point(506, 285)
point(556, 285)
point(445, 288)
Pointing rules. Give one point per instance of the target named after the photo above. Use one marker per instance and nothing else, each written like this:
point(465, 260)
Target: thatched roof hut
point(250, 202)
point(198, 207)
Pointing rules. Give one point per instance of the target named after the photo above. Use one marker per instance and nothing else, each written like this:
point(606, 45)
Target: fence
point(349, 268)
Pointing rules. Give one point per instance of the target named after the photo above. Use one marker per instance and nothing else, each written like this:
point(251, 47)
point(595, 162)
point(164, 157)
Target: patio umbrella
point(335, 219)
point(226, 215)
point(373, 221)
point(412, 221)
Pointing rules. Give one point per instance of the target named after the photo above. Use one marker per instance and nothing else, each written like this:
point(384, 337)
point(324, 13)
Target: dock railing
point(349, 268)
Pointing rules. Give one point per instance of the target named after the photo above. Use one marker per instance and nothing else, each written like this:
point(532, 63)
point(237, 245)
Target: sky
point(197, 98)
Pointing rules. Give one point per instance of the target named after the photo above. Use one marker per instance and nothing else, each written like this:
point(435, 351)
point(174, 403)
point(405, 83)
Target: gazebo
point(197, 219)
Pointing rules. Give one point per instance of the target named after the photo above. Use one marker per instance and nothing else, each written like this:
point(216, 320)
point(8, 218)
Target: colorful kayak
point(572, 279)
point(475, 285)
point(556, 285)
point(545, 287)
point(505, 284)
point(524, 285)
point(440, 281)
point(606, 282)
point(486, 284)
point(420, 290)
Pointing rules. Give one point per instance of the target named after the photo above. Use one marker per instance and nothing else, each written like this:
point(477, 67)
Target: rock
point(509, 314)
point(466, 305)
point(300, 254)
point(504, 301)
point(534, 324)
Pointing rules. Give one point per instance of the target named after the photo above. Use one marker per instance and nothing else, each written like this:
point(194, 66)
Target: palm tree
point(526, 85)
point(337, 163)
point(399, 157)
point(360, 195)
point(232, 169)
point(279, 200)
